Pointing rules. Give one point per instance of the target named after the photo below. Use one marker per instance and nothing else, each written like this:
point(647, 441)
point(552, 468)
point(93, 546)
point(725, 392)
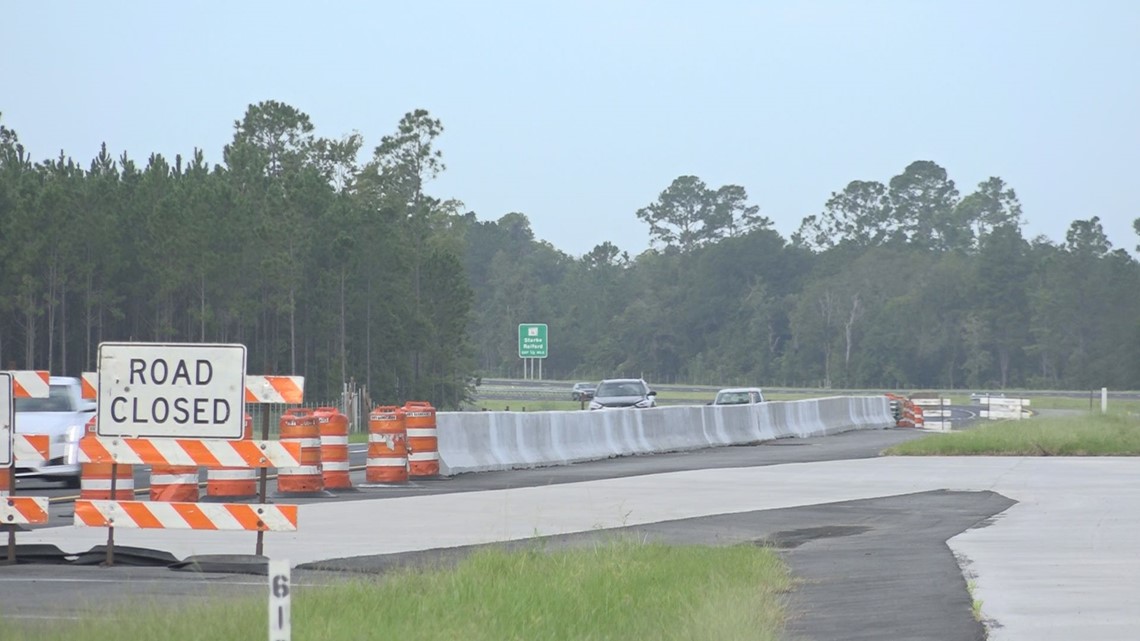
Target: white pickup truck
point(63, 416)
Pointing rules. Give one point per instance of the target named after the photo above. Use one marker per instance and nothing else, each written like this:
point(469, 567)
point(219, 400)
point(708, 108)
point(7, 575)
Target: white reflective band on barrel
point(334, 466)
point(105, 484)
point(423, 456)
point(334, 440)
point(304, 470)
point(387, 462)
point(306, 442)
point(417, 414)
point(174, 479)
point(422, 432)
point(231, 475)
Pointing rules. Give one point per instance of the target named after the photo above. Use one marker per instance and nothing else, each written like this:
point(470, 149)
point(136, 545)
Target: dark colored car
point(582, 391)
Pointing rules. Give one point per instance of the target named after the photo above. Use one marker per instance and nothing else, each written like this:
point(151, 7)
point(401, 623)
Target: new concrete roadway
point(882, 546)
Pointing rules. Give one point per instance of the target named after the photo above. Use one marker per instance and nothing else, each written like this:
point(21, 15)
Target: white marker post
point(280, 594)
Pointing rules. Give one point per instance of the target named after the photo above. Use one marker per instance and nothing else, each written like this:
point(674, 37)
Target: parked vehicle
point(623, 392)
point(739, 396)
point(583, 391)
point(63, 416)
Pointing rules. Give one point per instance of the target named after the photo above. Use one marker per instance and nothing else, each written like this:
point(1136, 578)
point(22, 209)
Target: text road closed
point(178, 390)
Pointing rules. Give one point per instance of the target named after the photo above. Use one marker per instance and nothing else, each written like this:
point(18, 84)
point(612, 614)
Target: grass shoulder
point(1083, 435)
point(624, 589)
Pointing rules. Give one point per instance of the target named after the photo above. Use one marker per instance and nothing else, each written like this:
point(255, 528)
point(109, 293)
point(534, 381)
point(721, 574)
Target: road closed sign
point(174, 390)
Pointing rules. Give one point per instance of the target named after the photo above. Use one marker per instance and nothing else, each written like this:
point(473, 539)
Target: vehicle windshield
point(731, 398)
point(58, 400)
point(619, 389)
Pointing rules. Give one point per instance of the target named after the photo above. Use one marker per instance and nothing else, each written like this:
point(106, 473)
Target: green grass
point(619, 590)
point(1085, 435)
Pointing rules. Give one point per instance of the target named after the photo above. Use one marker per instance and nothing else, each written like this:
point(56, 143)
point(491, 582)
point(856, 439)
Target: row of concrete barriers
point(484, 441)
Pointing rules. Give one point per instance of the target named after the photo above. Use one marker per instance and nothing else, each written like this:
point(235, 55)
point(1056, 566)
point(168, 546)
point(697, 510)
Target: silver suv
point(623, 392)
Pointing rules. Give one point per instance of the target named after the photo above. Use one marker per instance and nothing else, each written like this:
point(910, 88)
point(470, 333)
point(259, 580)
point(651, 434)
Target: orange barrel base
point(300, 426)
point(333, 428)
point(387, 446)
point(174, 483)
point(95, 482)
point(233, 482)
point(423, 444)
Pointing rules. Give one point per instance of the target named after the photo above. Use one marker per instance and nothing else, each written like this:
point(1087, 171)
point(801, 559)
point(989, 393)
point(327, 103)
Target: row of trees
point(900, 284)
point(342, 270)
point(321, 266)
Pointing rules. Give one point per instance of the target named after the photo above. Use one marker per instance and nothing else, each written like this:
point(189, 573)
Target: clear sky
point(578, 113)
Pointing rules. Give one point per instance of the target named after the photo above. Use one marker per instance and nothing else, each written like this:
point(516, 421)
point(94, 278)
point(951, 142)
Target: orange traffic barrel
point(333, 427)
point(423, 444)
point(387, 446)
point(233, 482)
point(95, 478)
point(299, 425)
point(174, 483)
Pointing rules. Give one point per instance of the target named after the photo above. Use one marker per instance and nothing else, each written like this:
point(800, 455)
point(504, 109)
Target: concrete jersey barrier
point(485, 441)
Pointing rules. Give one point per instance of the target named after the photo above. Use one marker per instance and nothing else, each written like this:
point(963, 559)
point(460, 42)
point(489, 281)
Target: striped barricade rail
point(89, 385)
point(31, 447)
point(186, 516)
point(203, 452)
point(30, 383)
point(289, 390)
point(23, 510)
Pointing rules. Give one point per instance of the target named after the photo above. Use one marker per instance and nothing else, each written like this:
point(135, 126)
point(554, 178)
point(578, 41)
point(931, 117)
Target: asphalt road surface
point(873, 569)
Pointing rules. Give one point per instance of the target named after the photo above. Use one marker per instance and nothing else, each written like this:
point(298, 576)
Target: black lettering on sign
point(181, 372)
point(138, 366)
point(204, 371)
point(159, 370)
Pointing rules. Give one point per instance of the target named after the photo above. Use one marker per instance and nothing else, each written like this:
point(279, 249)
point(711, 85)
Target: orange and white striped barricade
point(30, 383)
point(387, 446)
point(284, 390)
point(333, 428)
point(97, 477)
point(22, 510)
point(197, 452)
point(186, 516)
point(299, 425)
point(423, 443)
point(89, 385)
point(233, 482)
point(31, 447)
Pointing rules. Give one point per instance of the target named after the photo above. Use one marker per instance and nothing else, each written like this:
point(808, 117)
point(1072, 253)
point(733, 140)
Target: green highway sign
point(532, 340)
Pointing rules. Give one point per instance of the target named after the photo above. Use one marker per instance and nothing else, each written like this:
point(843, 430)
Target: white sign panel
point(173, 390)
point(7, 419)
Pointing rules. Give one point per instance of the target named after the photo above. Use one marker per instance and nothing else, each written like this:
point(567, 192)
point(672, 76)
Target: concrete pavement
point(1061, 564)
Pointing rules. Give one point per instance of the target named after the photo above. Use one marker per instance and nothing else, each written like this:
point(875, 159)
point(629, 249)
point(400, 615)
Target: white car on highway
point(63, 416)
point(739, 396)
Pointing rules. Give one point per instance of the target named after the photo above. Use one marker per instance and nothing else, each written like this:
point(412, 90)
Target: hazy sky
point(577, 114)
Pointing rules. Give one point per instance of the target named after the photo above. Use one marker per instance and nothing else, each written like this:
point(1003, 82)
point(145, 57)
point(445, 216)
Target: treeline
point(320, 266)
point(903, 284)
point(345, 271)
